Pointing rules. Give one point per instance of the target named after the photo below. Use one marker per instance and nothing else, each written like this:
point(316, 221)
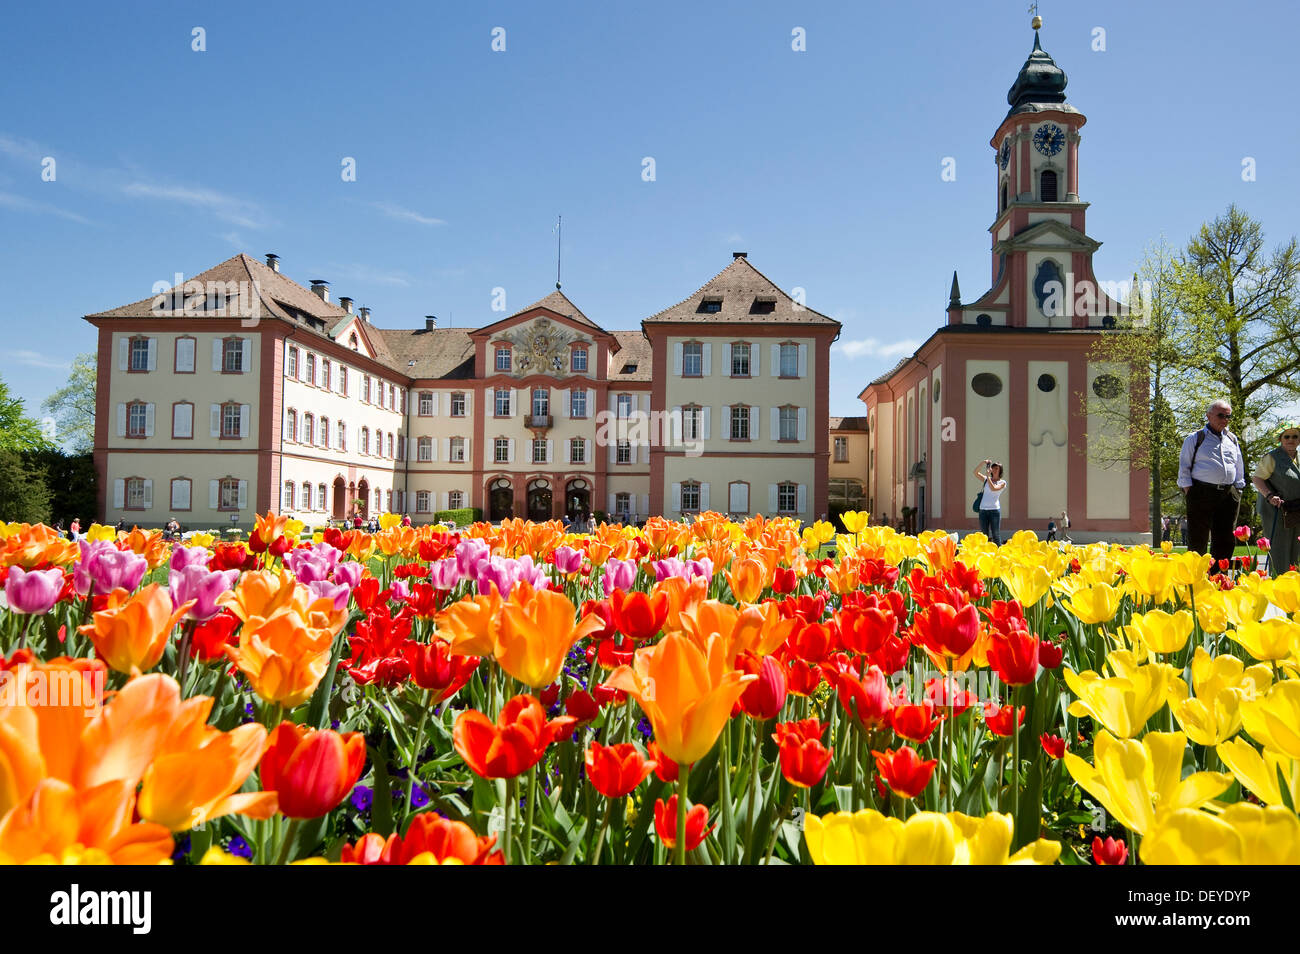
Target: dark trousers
point(991, 525)
point(1210, 513)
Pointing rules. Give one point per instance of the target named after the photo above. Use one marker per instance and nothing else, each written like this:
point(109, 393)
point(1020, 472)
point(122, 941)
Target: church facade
point(1009, 376)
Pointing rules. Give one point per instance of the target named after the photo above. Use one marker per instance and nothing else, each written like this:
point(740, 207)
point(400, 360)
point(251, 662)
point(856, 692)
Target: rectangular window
point(229, 496)
point(232, 355)
point(740, 423)
point(692, 359)
point(502, 402)
point(426, 404)
point(326, 379)
point(390, 445)
point(503, 359)
point(288, 495)
point(711, 306)
point(501, 450)
point(691, 423)
point(455, 500)
point(458, 404)
point(230, 420)
point(320, 497)
point(185, 348)
point(135, 418)
point(135, 493)
point(458, 450)
point(139, 355)
point(740, 360)
point(308, 429)
point(786, 497)
point(579, 360)
point(343, 381)
point(291, 363)
point(577, 451)
point(789, 361)
point(183, 420)
point(325, 432)
point(841, 450)
point(425, 448)
point(306, 496)
point(539, 450)
point(292, 426)
point(578, 402)
point(343, 436)
point(625, 405)
point(422, 501)
point(365, 388)
point(541, 402)
point(623, 505)
point(690, 498)
point(789, 420)
point(379, 499)
point(624, 453)
point(738, 498)
point(311, 369)
point(365, 440)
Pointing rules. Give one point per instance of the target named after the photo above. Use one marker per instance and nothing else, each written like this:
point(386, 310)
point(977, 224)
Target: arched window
point(292, 425)
point(308, 429)
point(1047, 186)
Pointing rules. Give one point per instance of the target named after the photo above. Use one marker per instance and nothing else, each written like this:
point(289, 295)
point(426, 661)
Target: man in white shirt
point(1211, 475)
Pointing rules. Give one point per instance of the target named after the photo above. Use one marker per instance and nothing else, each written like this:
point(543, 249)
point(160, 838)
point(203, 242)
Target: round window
point(986, 384)
point(1107, 386)
point(1046, 383)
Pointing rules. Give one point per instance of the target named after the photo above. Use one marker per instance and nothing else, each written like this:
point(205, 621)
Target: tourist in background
point(991, 500)
point(1277, 478)
point(1211, 475)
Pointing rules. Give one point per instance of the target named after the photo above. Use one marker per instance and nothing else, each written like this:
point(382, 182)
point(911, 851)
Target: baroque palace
point(241, 390)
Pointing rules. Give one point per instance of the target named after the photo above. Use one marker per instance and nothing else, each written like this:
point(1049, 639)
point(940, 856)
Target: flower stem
point(287, 844)
point(683, 794)
point(506, 835)
point(753, 783)
point(415, 755)
point(528, 827)
point(600, 838)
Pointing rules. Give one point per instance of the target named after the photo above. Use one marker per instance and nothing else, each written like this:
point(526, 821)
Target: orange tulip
point(537, 631)
point(281, 657)
point(38, 545)
point(132, 633)
point(513, 744)
point(686, 691)
point(683, 596)
point(747, 578)
point(267, 527)
point(150, 545)
point(471, 625)
point(260, 593)
point(57, 824)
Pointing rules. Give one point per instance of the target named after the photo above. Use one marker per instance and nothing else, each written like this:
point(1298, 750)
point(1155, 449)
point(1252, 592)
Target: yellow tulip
point(1259, 771)
point(98, 531)
point(202, 540)
point(1211, 607)
point(1124, 702)
point(855, 520)
point(1027, 583)
point(1159, 631)
point(1094, 604)
point(1284, 592)
point(1137, 781)
point(1268, 640)
point(1191, 568)
point(1243, 835)
point(388, 520)
point(927, 838)
point(1273, 719)
point(1221, 683)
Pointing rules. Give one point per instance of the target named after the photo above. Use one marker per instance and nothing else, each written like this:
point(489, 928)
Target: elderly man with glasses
point(1277, 478)
point(1211, 475)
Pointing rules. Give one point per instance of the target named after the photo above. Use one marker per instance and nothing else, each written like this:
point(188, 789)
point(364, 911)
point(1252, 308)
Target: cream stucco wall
point(1048, 452)
point(161, 469)
point(1108, 484)
point(762, 474)
point(988, 422)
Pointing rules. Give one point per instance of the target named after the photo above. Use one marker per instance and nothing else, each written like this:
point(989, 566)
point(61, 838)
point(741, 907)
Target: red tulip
point(801, 678)
point(784, 580)
point(866, 700)
point(915, 723)
point(1050, 654)
point(581, 706)
point(549, 696)
point(864, 630)
point(511, 746)
point(1109, 852)
point(1053, 745)
point(1242, 533)
point(212, 636)
point(639, 616)
point(804, 760)
point(434, 669)
point(666, 824)
point(946, 631)
point(602, 610)
point(892, 656)
point(616, 770)
point(311, 770)
point(764, 698)
point(812, 642)
point(939, 689)
point(1014, 657)
point(998, 718)
point(904, 771)
point(665, 768)
point(446, 840)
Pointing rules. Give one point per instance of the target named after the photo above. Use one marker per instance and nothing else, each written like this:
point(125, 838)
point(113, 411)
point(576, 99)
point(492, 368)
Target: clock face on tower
point(1049, 139)
point(1005, 155)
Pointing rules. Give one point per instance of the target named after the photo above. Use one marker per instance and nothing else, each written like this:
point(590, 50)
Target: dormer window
point(763, 306)
point(711, 306)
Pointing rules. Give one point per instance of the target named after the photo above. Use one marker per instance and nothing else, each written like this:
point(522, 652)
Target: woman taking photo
point(1277, 478)
point(990, 500)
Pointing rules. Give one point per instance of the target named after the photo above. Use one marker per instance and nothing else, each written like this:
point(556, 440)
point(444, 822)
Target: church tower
point(1008, 377)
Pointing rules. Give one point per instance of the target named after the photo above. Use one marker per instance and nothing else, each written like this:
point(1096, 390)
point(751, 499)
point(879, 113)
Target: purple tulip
point(189, 556)
point(310, 564)
point(340, 593)
point(400, 590)
point(105, 567)
point(444, 574)
point(349, 573)
point(567, 559)
point(504, 573)
point(202, 585)
point(669, 567)
point(470, 554)
point(619, 575)
point(702, 567)
point(33, 591)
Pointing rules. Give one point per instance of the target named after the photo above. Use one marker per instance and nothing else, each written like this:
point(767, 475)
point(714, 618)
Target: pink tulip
point(104, 567)
point(33, 592)
point(202, 585)
point(189, 556)
point(567, 559)
point(1242, 533)
point(619, 575)
point(1264, 544)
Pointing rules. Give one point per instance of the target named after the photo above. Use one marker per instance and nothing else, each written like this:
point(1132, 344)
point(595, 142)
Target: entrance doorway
point(501, 500)
point(577, 499)
point(363, 495)
point(340, 499)
point(539, 500)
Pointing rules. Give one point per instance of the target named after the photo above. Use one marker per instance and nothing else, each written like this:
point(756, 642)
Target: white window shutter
point(613, 504)
point(677, 359)
point(775, 433)
point(726, 422)
point(148, 420)
point(148, 494)
point(613, 451)
point(243, 494)
point(802, 504)
point(514, 394)
point(247, 360)
point(124, 353)
point(753, 424)
point(803, 361)
point(550, 450)
point(645, 453)
point(181, 495)
point(708, 359)
point(244, 410)
point(446, 500)
point(706, 415)
point(216, 420)
point(435, 402)
point(776, 360)
point(771, 499)
point(446, 447)
point(469, 403)
point(214, 494)
point(467, 450)
point(704, 496)
point(446, 403)
point(591, 402)
point(119, 494)
point(564, 402)
point(121, 420)
point(153, 354)
point(645, 505)
point(755, 359)
point(677, 497)
point(803, 423)
point(216, 354)
point(726, 359)
point(568, 452)
point(510, 450)
point(433, 449)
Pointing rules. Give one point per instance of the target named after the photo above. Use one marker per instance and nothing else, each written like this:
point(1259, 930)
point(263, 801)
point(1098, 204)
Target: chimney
point(365, 313)
point(321, 289)
point(430, 322)
point(273, 261)
point(346, 304)
point(736, 255)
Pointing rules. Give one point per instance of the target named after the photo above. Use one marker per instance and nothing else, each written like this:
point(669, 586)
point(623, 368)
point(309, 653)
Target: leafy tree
point(73, 405)
point(24, 494)
point(18, 432)
point(72, 482)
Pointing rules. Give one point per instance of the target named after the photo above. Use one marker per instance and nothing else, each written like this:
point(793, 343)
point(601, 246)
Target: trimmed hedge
point(461, 517)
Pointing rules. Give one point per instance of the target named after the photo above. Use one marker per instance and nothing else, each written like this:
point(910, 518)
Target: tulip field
point(684, 693)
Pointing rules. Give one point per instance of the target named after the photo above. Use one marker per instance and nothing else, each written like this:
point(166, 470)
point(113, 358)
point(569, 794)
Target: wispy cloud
point(735, 238)
point(21, 204)
point(395, 211)
point(234, 238)
point(228, 208)
point(358, 272)
point(34, 359)
point(875, 348)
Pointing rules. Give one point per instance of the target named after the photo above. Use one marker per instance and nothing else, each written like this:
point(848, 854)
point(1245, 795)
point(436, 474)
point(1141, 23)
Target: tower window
point(1047, 186)
point(1004, 197)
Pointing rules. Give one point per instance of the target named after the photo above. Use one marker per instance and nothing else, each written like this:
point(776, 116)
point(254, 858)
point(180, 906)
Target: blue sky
point(824, 165)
